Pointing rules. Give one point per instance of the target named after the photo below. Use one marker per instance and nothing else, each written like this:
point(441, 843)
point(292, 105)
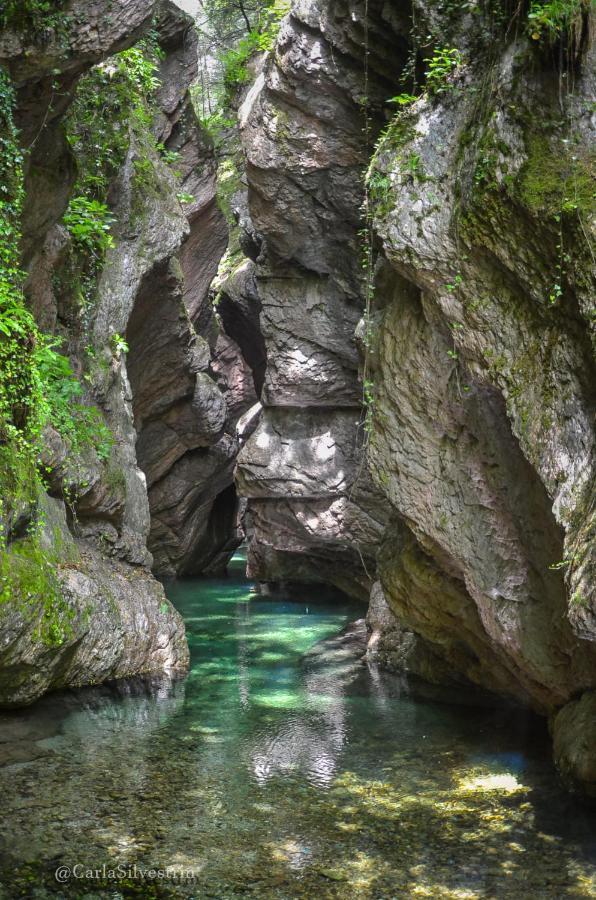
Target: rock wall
point(110, 617)
point(190, 382)
point(479, 521)
point(483, 433)
point(313, 513)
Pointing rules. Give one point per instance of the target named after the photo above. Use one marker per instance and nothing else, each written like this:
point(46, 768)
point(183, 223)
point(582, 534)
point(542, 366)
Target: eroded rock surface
point(115, 619)
point(479, 365)
point(314, 514)
point(100, 613)
point(190, 380)
point(483, 427)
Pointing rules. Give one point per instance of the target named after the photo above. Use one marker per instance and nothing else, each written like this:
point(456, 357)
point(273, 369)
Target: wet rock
point(574, 741)
point(114, 621)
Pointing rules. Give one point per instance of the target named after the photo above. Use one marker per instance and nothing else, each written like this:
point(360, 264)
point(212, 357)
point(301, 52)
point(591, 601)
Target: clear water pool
point(281, 767)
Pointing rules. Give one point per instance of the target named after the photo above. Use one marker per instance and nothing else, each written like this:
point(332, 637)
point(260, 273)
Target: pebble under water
point(283, 768)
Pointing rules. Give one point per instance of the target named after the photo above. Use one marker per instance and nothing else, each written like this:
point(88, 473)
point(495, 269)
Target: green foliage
point(118, 344)
point(111, 99)
point(549, 19)
point(89, 222)
point(454, 285)
point(403, 99)
point(368, 399)
point(28, 579)
point(183, 197)
point(20, 382)
point(394, 145)
point(413, 165)
point(240, 30)
point(169, 156)
point(113, 103)
point(440, 67)
point(378, 185)
point(217, 125)
point(38, 18)
point(81, 426)
point(234, 61)
point(37, 385)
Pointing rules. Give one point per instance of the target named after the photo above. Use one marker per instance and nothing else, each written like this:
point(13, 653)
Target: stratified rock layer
point(313, 513)
point(190, 381)
point(483, 437)
point(479, 367)
point(111, 618)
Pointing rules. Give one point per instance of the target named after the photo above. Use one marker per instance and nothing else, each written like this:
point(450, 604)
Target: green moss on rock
point(558, 176)
point(29, 583)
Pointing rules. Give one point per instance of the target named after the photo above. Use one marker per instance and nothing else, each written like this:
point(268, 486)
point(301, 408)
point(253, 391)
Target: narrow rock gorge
point(351, 326)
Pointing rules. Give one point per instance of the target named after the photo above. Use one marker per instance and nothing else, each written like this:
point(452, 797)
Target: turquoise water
point(281, 767)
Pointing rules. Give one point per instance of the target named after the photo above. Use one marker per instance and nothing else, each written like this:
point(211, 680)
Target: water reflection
point(284, 767)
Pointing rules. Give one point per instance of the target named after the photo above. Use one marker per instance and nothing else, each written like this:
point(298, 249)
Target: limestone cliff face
point(483, 427)
point(313, 512)
point(190, 382)
point(112, 618)
point(477, 341)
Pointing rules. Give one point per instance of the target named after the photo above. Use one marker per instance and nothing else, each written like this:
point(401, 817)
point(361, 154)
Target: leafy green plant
point(234, 61)
point(183, 197)
point(20, 382)
point(81, 426)
point(170, 157)
point(378, 184)
point(403, 99)
point(368, 396)
point(111, 99)
point(37, 385)
point(118, 344)
point(113, 104)
point(261, 32)
point(37, 18)
point(453, 285)
point(549, 19)
point(413, 165)
point(440, 66)
point(89, 222)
